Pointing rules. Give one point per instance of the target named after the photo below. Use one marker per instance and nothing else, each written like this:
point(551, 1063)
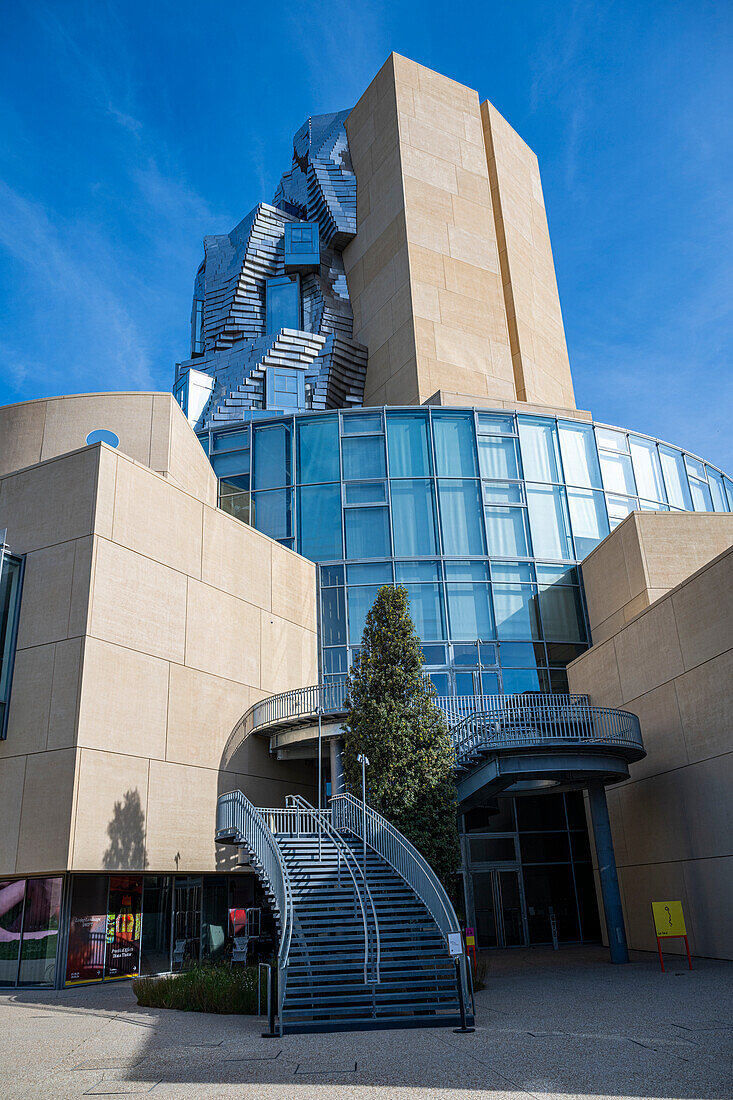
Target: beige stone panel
point(474, 282)
point(425, 337)
point(426, 200)
point(222, 634)
point(703, 612)
point(424, 135)
point(202, 712)
point(641, 885)
point(12, 774)
point(473, 248)
point(401, 389)
point(703, 796)
point(454, 345)
point(595, 673)
point(124, 700)
point(656, 824)
point(429, 169)
point(50, 503)
point(46, 602)
point(705, 707)
point(473, 158)
point(21, 435)
point(237, 558)
point(182, 817)
point(138, 602)
point(81, 584)
point(378, 256)
point(474, 186)
point(460, 312)
point(189, 466)
point(155, 519)
point(294, 588)
point(428, 232)
point(129, 415)
point(289, 657)
point(67, 667)
point(30, 701)
point(661, 730)
point(426, 266)
point(111, 819)
point(709, 916)
point(426, 302)
point(676, 544)
point(104, 506)
point(45, 818)
point(648, 651)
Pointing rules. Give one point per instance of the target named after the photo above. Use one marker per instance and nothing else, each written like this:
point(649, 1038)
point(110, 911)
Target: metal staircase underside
point(362, 948)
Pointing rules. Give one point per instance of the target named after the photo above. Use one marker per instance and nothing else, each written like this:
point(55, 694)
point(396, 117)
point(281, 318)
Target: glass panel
point(11, 922)
point(413, 518)
point(469, 611)
point(619, 508)
point(512, 571)
point(87, 929)
point(365, 492)
point(562, 616)
point(460, 518)
point(579, 455)
point(556, 574)
point(484, 910)
point(360, 603)
point(214, 918)
point(355, 423)
point(493, 424)
point(417, 571)
point(545, 847)
point(283, 303)
point(40, 931)
point(728, 491)
point(518, 680)
point(331, 574)
point(124, 915)
point(503, 492)
point(335, 660)
point(433, 654)
point(489, 683)
point(701, 499)
point(363, 457)
point(516, 611)
point(441, 682)
point(612, 441)
point(511, 908)
point(230, 441)
point(318, 449)
point(588, 518)
point(520, 654)
point(488, 654)
point(466, 655)
point(371, 573)
point(498, 457)
point(540, 453)
point(618, 477)
point(9, 594)
point(465, 683)
point(675, 478)
point(155, 952)
point(426, 610)
point(235, 463)
point(272, 457)
point(407, 442)
point(717, 490)
point(492, 849)
point(466, 571)
point(367, 532)
point(455, 449)
point(506, 530)
point(319, 522)
point(272, 513)
point(333, 616)
point(549, 521)
point(647, 468)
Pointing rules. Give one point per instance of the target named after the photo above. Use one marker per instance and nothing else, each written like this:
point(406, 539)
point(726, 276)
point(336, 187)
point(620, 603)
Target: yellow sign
point(668, 918)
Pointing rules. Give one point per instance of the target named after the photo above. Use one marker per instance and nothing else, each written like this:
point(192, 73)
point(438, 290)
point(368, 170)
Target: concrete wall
point(427, 285)
point(672, 665)
point(150, 620)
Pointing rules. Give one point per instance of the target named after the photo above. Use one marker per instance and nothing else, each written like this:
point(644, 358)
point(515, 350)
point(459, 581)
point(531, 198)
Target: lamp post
point(364, 761)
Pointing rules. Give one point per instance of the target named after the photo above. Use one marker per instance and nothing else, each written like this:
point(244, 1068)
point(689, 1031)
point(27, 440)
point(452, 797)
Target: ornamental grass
point(203, 988)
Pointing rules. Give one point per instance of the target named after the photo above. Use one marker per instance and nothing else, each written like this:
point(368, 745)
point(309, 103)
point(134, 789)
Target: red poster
point(124, 920)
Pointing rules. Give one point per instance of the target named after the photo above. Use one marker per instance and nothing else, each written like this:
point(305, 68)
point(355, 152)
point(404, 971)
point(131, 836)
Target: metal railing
point(235, 815)
point(323, 825)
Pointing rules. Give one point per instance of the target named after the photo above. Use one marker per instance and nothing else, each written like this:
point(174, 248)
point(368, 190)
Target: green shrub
point(203, 988)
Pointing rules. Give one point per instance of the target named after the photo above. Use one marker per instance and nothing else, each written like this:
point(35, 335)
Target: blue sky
point(133, 129)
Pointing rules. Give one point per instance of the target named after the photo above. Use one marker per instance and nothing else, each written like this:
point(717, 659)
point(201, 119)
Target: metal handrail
point(323, 821)
point(236, 814)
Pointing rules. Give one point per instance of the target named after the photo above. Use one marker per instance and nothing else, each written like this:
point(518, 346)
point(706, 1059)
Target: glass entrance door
point(186, 946)
point(498, 909)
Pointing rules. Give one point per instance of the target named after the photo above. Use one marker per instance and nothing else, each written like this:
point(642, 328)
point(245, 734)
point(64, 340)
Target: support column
point(607, 872)
point(336, 750)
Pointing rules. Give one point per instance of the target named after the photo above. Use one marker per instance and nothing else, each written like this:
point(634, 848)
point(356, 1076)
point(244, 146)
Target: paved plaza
point(562, 1024)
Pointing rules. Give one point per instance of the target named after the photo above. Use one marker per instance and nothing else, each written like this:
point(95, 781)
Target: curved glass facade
point(482, 515)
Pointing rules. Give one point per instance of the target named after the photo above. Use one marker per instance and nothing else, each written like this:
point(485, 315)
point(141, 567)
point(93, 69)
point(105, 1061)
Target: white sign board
point(455, 944)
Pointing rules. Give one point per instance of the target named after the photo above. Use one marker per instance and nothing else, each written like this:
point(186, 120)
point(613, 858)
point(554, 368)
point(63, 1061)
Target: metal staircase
point(363, 941)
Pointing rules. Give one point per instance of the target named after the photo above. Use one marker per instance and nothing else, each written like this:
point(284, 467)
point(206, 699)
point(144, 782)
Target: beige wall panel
point(706, 707)
point(182, 817)
point(294, 589)
point(137, 602)
point(202, 712)
point(30, 701)
point(45, 818)
point(648, 650)
point(155, 519)
point(51, 503)
point(655, 822)
point(124, 700)
point(104, 511)
point(289, 659)
point(21, 435)
point(709, 916)
point(222, 635)
point(661, 727)
point(67, 668)
point(236, 558)
point(111, 812)
point(46, 603)
point(703, 612)
point(676, 544)
point(12, 772)
point(595, 673)
point(296, 777)
point(704, 797)
point(640, 886)
point(129, 415)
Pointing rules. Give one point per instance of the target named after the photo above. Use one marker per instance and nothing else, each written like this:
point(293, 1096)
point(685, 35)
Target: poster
point(123, 926)
point(87, 930)
point(237, 923)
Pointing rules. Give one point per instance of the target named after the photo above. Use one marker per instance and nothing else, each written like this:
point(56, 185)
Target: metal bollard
point(271, 1034)
point(463, 1029)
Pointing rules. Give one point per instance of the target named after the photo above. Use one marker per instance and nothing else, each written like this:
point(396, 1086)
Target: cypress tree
point(394, 720)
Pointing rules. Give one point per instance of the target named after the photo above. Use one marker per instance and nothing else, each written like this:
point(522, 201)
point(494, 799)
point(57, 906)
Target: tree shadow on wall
point(126, 832)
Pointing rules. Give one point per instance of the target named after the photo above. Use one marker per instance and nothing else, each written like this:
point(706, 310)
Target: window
point(455, 451)
point(197, 328)
point(647, 469)
point(360, 603)
point(619, 508)
point(29, 930)
point(367, 532)
point(283, 303)
point(516, 611)
point(408, 445)
point(460, 518)
point(272, 457)
point(301, 247)
point(319, 522)
point(362, 424)
point(318, 449)
point(234, 498)
point(588, 519)
point(579, 456)
point(506, 530)
point(469, 611)
point(272, 513)
point(365, 492)
point(498, 457)
point(413, 519)
point(701, 499)
point(675, 478)
point(426, 610)
point(9, 608)
point(285, 388)
point(540, 451)
point(562, 616)
point(363, 457)
point(613, 449)
point(333, 616)
point(302, 236)
point(717, 490)
point(549, 521)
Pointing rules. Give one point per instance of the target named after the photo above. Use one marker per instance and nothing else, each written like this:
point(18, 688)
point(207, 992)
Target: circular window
point(102, 435)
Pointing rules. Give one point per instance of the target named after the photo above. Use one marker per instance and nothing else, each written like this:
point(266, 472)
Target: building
point(378, 391)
